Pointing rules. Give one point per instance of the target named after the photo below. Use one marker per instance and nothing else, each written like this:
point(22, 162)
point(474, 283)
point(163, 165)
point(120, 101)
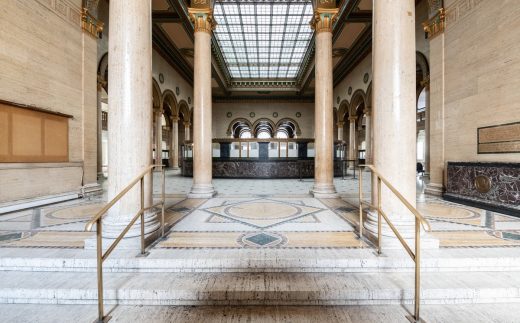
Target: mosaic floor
point(259, 214)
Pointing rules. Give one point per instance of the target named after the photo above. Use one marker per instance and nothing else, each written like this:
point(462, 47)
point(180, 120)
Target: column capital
point(367, 111)
point(323, 19)
point(202, 19)
point(352, 119)
point(340, 124)
point(187, 124)
point(175, 119)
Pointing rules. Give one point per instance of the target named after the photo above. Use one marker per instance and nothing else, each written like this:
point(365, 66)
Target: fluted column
point(175, 143)
point(324, 118)
point(368, 136)
point(340, 130)
point(130, 122)
point(158, 137)
point(202, 103)
point(394, 114)
point(352, 140)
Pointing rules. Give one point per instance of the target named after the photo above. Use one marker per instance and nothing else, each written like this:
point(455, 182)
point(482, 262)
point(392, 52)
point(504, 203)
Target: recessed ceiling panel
point(263, 39)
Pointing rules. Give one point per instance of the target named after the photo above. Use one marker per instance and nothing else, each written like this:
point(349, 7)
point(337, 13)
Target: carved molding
point(459, 10)
point(435, 25)
point(64, 9)
point(323, 20)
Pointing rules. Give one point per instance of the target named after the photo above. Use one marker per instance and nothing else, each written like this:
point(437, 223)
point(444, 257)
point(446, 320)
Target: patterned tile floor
point(259, 214)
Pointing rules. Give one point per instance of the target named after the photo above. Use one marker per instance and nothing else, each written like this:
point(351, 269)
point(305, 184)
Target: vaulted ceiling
point(249, 60)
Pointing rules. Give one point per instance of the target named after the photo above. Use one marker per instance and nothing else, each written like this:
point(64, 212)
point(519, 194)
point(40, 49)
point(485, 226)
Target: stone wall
point(474, 80)
point(49, 62)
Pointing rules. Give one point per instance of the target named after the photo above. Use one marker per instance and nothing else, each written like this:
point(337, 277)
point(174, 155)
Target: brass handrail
point(419, 220)
point(98, 220)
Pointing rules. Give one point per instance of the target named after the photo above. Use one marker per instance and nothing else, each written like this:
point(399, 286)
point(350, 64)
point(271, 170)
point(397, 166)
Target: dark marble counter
point(261, 168)
point(492, 186)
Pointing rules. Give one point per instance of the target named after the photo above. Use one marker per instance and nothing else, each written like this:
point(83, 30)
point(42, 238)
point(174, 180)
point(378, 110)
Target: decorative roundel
point(298, 114)
point(189, 100)
point(275, 114)
point(338, 100)
point(252, 114)
point(365, 78)
point(161, 78)
point(177, 90)
point(349, 90)
point(229, 114)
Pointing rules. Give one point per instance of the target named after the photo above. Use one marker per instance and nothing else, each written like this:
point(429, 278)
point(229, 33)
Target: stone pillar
point(130, 131)
point(394, 115)
point(340, 130)
point(427, 128)
point(187, 126)
point(99, 133)
point(202, 17)
point(158, 137)
point(368, 136)
point(352, 148)
point(174, 153)
point(324, 17)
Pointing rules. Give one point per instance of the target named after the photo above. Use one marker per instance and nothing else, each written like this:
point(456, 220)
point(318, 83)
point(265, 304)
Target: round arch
point(422, 72)
point(156, 95)
point(358, 99)
point(288, 122)
point(184, 110)
point(102, 72)
point(231, 128)
point(262, 125)
point(343, 110)
point(170, 101)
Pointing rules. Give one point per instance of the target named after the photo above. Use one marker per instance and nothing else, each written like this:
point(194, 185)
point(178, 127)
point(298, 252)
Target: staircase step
point(258, 288)
point(297, 260)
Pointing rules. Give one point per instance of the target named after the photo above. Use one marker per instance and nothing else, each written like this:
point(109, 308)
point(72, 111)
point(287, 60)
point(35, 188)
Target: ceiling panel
point(349, 34)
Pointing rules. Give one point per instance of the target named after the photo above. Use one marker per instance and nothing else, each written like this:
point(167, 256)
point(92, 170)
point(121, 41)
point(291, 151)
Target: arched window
point(263, 134)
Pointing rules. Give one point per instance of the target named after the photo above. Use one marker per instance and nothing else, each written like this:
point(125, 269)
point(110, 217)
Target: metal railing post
point(417, 269)
point(142, 214)
point(379, 235)
point(360, 204)
point(99, 240)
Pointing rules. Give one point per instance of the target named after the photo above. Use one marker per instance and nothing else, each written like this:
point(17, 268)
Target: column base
point(132, 239)
point(202, 191)
point(434, 189)
point(324, 191)
point(390, 241)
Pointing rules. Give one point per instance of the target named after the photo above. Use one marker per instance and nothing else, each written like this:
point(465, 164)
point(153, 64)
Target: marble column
point(394, 115)
point(158, 137)
point(340, 130)
point(187, 126)
point(99, 133)
point(202, 104)
point(175, 143)
point(129, 129)
point(427, 128)
point(368, 136)
point(352, 148)
point(323, 116)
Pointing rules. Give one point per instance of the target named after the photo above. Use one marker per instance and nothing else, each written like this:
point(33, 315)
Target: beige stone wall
point(355, 80)
point(263, 110)
point(474, 79)
point(47, 61)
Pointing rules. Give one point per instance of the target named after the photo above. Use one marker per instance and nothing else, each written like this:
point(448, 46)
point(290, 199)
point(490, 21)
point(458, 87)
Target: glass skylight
point(263, 39)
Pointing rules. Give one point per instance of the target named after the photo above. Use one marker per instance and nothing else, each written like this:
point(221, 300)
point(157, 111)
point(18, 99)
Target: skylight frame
point(281, 37)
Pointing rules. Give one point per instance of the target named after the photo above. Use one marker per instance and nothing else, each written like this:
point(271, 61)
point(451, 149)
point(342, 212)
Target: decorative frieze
point(64, 9)
point(459, 10)
point(435, 25)
point(91, 25)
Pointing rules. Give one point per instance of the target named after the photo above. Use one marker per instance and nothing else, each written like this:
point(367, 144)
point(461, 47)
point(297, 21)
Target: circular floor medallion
point(76, 212)
point(435, 210)
point(262, 211)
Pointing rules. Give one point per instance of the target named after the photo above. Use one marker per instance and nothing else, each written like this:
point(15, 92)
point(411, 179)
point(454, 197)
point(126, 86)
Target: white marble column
point(324, 118)
point(352, 148)
point(340, 130)
point(202, 105)
point(158, 137)
point(187, 126)
point(175, 143)
point(368, 136)
point(394, 115)
point(99, 133)
point(427, 128)
point(130, 101)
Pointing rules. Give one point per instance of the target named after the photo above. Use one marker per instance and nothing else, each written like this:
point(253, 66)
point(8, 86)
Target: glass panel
point(253, 34)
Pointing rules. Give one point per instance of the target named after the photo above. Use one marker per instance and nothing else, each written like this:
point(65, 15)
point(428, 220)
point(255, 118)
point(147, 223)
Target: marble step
point(297, 260)
point(259, 289)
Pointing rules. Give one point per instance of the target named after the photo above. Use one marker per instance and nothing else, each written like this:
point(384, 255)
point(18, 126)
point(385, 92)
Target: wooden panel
point(499, 139)
point(4, 133)
point(27, 135)
point(56, 139)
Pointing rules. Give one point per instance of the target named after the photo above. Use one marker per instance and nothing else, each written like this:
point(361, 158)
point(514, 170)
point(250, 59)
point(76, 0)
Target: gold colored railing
point(419, 220)
point(98, 221)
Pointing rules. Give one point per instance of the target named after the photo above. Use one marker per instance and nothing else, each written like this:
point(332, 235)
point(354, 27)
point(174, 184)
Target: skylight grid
point(264, 39)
